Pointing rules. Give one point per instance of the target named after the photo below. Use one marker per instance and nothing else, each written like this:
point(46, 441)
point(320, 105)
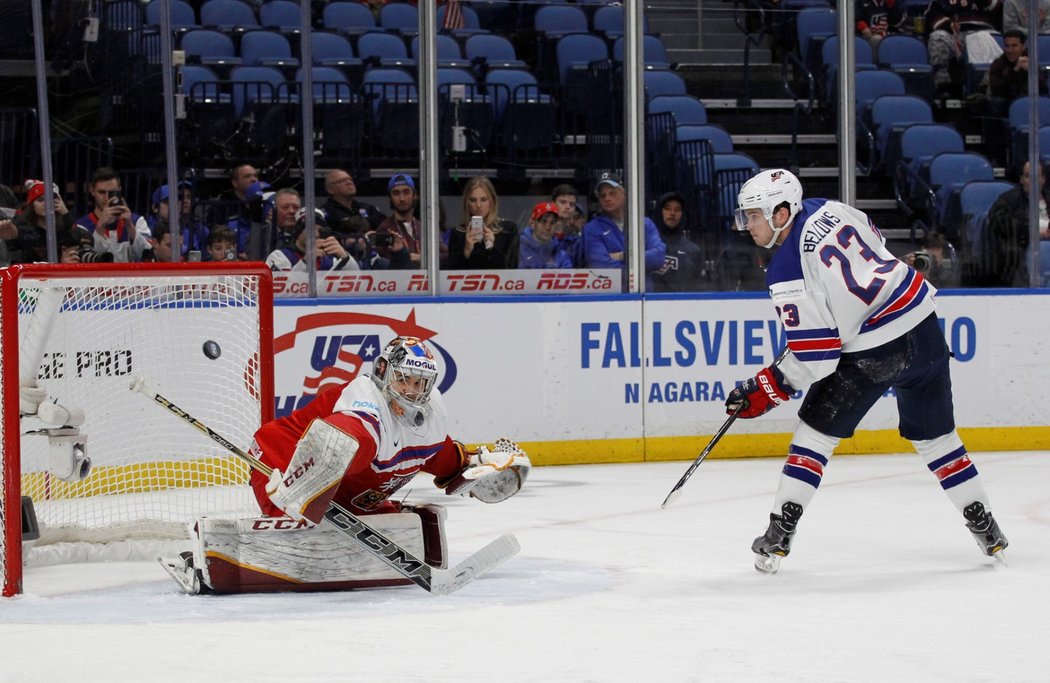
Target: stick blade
point(671, 497)
point(488, 558)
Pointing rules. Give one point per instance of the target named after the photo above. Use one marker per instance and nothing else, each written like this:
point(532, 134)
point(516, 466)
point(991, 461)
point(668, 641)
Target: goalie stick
point(677, 490)
point(430, 579)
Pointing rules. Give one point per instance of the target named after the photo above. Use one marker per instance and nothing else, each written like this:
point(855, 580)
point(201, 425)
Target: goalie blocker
point(270, 554)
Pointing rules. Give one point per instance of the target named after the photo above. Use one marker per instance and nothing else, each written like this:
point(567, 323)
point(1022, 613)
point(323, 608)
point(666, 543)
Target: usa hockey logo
point(341, 346)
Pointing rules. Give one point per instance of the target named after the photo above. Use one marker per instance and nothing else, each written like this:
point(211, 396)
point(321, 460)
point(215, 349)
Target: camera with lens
point(115, 199)
point(229, 255)
point(921, 261)
point(89, 255)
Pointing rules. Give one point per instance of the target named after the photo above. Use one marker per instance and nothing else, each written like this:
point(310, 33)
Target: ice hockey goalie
point(357, 445)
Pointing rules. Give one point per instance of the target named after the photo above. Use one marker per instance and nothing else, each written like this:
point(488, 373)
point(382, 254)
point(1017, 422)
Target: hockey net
point(201, 334)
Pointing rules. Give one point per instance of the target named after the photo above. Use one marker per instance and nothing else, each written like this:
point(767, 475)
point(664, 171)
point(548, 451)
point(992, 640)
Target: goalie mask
point(406, 373)
point(766, 191)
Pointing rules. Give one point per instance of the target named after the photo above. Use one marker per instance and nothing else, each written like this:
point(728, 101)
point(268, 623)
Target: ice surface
point(884, 583)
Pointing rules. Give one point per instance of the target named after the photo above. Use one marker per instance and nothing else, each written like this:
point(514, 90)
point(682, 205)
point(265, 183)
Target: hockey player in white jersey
point(858, 321)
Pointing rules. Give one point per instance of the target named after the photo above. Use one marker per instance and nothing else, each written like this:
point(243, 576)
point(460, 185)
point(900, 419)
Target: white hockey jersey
point(400, 448)
point(838, 289)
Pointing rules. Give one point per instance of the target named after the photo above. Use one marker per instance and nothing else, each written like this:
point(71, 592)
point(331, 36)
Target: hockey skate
point(985, 530)
point(185, 574)
point(774, 545)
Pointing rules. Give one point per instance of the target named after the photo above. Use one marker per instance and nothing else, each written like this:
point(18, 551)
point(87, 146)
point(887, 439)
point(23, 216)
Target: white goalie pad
point(268, 554)
point(493, 476)
point(308, 484)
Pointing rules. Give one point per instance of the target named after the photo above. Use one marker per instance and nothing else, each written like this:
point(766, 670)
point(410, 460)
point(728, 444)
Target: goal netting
point(201, 334)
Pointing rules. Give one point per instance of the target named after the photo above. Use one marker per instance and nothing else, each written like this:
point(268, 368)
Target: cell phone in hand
point(477, 225)
point(7, 214)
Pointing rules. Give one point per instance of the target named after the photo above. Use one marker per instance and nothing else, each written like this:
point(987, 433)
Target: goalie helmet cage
point(202, 332)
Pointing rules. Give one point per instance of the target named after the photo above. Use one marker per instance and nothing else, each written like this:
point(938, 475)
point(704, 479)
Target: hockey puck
point(211, 349)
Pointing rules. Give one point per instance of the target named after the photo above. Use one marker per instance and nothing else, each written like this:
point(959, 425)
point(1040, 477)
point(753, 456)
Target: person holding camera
point(936, 260)
point(329, 252)
point(397, 237)
point(483, 241)
point(114, 228)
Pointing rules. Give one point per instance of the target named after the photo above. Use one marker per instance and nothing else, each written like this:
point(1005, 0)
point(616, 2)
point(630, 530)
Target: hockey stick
point(677, 490)
point(431, 579)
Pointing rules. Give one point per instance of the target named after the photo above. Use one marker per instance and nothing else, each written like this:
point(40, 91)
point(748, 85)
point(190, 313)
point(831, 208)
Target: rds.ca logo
point(339, 347)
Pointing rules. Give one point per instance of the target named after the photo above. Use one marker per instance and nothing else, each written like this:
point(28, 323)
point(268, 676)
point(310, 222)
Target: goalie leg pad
point(308, 484)
point(270, 554)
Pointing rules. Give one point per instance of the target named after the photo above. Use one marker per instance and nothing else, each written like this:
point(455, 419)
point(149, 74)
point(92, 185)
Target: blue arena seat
point(228, 15)
point(654, 54)
point(209, 47)
point(348, 17)
point(283, 15)
point(383, 49)
point(492, 51)
point(267, 48)
point(687, 110)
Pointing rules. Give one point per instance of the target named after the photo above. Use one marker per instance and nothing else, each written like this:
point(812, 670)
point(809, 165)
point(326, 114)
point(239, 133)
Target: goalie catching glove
point(308, 484)
point(760, 394)
point(491, 476)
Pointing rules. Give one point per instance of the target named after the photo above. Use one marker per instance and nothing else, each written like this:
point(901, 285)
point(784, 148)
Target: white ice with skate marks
point(883, 582)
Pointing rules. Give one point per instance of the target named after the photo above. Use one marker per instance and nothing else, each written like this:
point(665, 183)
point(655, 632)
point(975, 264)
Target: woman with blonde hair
point(482, 240)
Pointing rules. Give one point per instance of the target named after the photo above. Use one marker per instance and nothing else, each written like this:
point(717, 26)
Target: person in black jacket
point(683, 269)
point(493, 244)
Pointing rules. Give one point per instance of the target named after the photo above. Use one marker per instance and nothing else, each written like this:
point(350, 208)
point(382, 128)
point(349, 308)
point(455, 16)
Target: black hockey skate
point(985, 530)
point(775, 544)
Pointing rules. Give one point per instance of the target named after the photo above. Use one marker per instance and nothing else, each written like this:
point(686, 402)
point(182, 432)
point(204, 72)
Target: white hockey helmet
point(767, 191)
point(395, 371)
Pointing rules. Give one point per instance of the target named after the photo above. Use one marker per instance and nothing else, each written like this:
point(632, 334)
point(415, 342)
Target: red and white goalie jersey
point(390, 451)
point(838, 289)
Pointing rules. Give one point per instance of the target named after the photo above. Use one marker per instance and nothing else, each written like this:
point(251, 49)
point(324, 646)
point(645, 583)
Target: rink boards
point(619, 379)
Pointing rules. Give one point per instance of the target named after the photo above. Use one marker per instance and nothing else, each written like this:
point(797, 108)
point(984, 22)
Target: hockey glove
point(492, 476)
point(760, 394)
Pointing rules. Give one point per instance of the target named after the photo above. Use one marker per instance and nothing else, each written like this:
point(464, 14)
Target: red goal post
point(201, 332)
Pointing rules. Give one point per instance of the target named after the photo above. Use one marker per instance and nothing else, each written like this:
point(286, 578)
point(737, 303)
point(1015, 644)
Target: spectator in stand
point(222, 245)
point(330, 253)
point(115, 229)
point(605, 238)
point(569, 226)
point(538, 246)
point(343, 205)
point(1015, 15)
point(878, 18)
point(488, 244)
point(286, 206)
point(161, 243)
point(70, 246)
point(194, 232)
point(959, 27)
point(397, 238)
point(1005, 243)
point(30, 246)
point(8, 231)
point(1008, 74)
point(683, 268)
point(564, 197)
point(239, 206)
point(936, 260)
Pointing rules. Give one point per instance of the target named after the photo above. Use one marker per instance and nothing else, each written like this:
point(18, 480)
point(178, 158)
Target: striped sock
point(947, 459)
point(808, 455)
